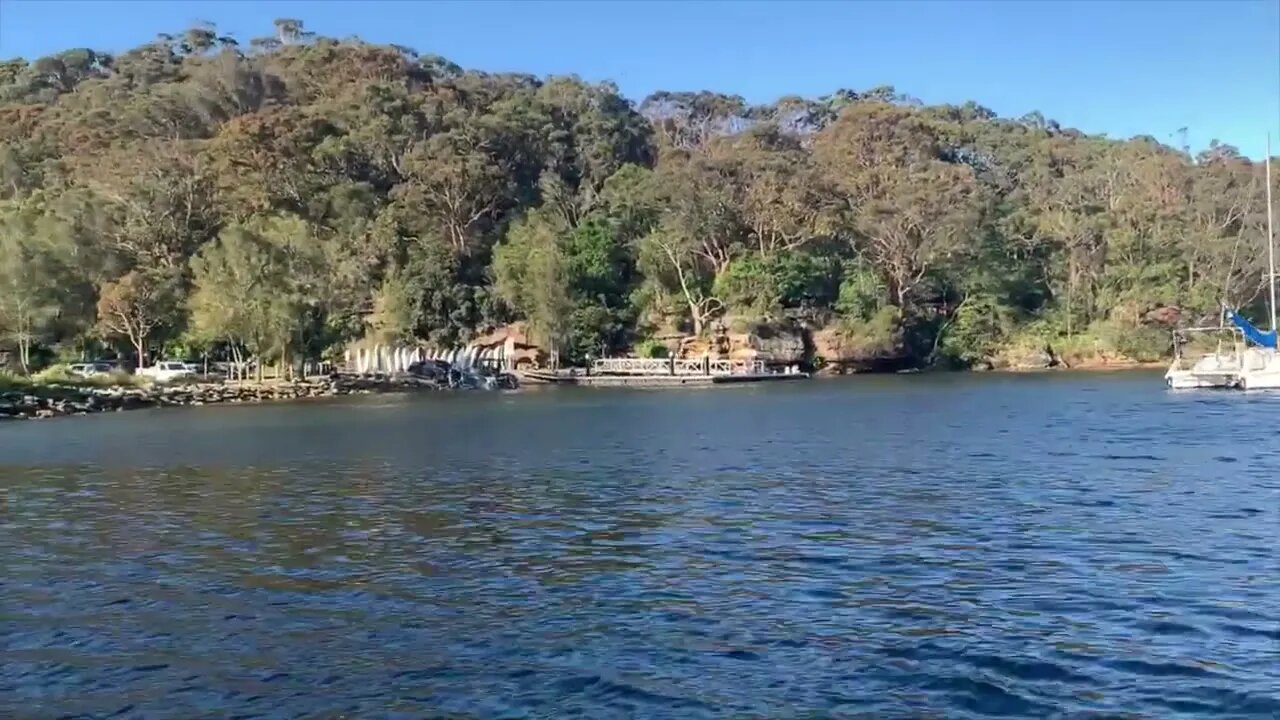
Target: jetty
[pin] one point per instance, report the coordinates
(662, 372)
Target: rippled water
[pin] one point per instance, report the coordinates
(1067, 546)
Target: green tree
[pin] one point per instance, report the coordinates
(531, 274)
(260, 286)
(909, 209)
(136, 308)
(28, 293)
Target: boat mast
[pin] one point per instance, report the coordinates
(1271, 245)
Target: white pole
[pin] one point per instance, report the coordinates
(1271, 245)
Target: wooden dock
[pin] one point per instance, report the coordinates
(653, 372)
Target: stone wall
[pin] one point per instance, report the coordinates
(57, 401)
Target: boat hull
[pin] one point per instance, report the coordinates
(1261, 370)
(1191, 380)
(1210, 371)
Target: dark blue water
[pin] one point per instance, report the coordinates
(1039, 546)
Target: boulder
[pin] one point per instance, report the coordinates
(1023, 358)
(772, 342)
(839, 350)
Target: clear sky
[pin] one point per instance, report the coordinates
(1121, 68)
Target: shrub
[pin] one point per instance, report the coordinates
(62, 375)
(878, 337)
(10, 381)
(977, 331)
(765, 285)
(59, 374)
(651, 348)
(861, 293)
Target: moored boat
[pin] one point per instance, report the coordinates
(1253, 361)
(1217, 369)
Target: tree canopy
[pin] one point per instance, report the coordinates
(291, 194)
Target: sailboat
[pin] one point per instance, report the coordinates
(1252, 362)
(1260, 365)
(1217, 369)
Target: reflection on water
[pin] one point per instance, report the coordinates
(923, 547)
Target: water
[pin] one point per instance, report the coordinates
(1065, 546)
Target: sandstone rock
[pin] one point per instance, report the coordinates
(1024, 359)
(773, 343)
(838, 351)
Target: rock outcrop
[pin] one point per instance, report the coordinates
(773, 343)
(837, 350)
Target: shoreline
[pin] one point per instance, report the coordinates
(40, 402)
(1083, 368)
(1011, 370)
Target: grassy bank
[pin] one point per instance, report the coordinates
(59, 376)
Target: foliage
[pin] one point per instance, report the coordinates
(257, 286)
(11, 381)
(289, 195)
(28, 305)
(650, 348)
(135, 307)
(976, 331)
(861, 293)
(62, 375)
(770, 284)
(879, 336)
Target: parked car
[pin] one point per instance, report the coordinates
(90, 369)
(167, 371)
(430, 369)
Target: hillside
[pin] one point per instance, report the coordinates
(288, 196)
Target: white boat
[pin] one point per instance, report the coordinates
(1218, 369)
(1260, 370)
(1253, 362)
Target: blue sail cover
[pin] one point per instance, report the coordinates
(1264, 339)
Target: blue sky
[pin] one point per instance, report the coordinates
(1122, 68)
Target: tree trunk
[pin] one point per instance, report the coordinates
(24, 354)
(1071, 293)
(237, 363)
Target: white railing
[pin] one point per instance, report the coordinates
(673, 366)
(632, 366)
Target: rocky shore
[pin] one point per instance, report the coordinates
(60, 400)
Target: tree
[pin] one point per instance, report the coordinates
(531, 274)
(909, 208)
(257, 286)
(135, 307)
(28, 298)
(674, 259)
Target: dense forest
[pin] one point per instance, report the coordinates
(287, 196)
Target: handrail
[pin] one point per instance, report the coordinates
(676, 366)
